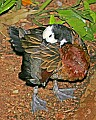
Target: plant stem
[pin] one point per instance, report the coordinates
(43, 6)
(45, 11)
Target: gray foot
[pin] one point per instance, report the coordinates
(37, 103)
(63, 94)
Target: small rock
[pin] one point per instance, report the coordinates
(59, 3)
(16, 91)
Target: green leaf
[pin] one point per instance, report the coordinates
(78, 25)
(7, 5)
(69, 13)
(85, 15)
(89, 34)
(86, 5)
(91, 1)
(52, 19)
(93, 15)
(45, 4)
(74, 20)
(66, 13)
(89, 14)
(93, 27)
(1, 2)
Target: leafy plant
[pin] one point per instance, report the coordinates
(6, 5)
(79, 17)
(83, 21)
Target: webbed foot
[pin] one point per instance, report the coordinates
(37, 103)
(63, 94)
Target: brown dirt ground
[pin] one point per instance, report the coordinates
(15, 95)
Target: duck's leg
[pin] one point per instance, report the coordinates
(63, 94)
(37, 103)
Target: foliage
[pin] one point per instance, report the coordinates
(79, 17)
(83, 21)
(6, 5)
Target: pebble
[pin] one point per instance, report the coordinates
(59, 3)
(16, 91)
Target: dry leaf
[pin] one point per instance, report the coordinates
(26, 2)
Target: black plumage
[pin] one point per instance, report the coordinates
(62, 32)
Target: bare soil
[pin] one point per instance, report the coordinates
(16, 96)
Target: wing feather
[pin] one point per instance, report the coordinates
(49, 54)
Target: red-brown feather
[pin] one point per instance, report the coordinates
(75, 62)
(45, 75)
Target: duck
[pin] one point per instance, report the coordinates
(49, 52)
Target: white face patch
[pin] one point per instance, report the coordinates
(62, 42)
(48, 35)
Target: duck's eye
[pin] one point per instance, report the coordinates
(50, 35)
